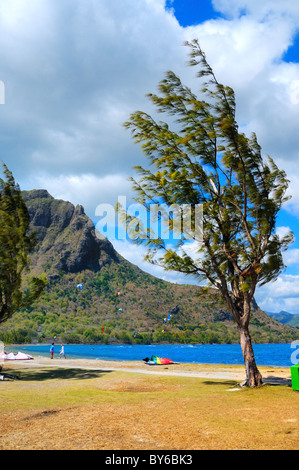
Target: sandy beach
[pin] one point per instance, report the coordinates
(273, 375)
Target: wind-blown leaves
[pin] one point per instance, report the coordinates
(202, 158)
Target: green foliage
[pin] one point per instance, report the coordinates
(16, 243)
(199, 157)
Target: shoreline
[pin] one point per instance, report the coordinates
(271, 374)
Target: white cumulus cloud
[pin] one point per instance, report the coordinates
(74, 71)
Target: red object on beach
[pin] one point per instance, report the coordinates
(165, 360)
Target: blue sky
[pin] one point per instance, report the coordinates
(192, 12)
(74, 71)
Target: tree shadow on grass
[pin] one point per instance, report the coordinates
(229, 383)
(39, 375)
(270, 380)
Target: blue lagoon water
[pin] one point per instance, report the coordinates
(265, 354)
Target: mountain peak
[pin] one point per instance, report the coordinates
(36, 194)
(67, 239)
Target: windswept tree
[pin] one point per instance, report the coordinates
(199, 157)
(16, 243)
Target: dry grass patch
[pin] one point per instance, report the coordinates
(88, 409)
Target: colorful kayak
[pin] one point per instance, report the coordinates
(155, 360)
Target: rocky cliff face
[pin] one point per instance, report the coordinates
(67, 239)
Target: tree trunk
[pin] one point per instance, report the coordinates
(253, 375)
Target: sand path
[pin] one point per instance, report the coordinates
(274, 375)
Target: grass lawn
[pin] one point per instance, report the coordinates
(72, 408)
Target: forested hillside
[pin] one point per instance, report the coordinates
(96, 296)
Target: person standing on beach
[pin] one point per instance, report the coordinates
(62, 352)
(52, 350)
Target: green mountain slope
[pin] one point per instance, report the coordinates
(118, 303)
(286, 318)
